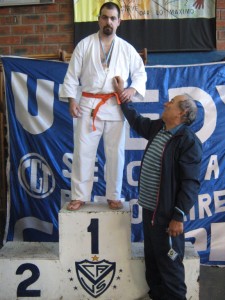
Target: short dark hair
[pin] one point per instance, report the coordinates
(190, 107)
(110, 5)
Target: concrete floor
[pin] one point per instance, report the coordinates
(212, 283)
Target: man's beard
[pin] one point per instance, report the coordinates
(107, 30)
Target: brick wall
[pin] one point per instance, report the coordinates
(43, 29)
(37, 29)
(220, 25)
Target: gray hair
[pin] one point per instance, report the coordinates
(190, 107)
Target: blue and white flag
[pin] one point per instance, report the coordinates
(41, 143)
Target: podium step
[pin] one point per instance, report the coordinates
(93, 259)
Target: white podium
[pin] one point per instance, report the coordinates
(94, 259)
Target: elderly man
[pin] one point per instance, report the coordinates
(168, 188)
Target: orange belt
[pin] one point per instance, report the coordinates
(104, 98)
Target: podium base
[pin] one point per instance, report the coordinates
(95, 260)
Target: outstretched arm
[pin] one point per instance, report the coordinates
(125, 95)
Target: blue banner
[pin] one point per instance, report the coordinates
(40, 132)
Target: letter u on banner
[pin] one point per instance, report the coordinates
(45, 100)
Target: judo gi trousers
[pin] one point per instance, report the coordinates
(86, 144)
(165, 276)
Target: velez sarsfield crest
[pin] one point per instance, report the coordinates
(95, 277)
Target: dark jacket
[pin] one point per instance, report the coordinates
(180, 169)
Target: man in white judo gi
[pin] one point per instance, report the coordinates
(96, 60)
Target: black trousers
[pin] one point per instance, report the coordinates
(165, 276)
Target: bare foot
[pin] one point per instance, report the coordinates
(115, 204)
(75, 204)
